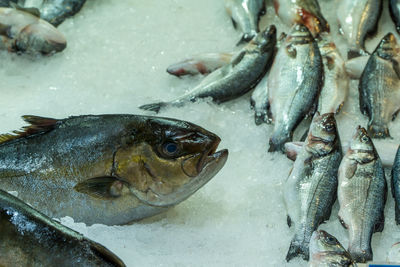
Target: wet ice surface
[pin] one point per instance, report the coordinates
(115, 61)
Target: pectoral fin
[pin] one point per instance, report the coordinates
(102, 187)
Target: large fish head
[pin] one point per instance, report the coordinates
(323, 135)
(40, 37)
(168, 160)
(265, 40)
(361, 146)
(388, 47)
(325, 248)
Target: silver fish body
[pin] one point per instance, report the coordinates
(305, 12)
(379, 87)
(394, 8)
(358, 19)
(336, 82)
(310, 189)
(245, 14)
(242, 73)
(362, 195)
(395, 184)
(294, 82)
(259, 102)
(326, 251)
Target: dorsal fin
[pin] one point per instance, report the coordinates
(37, 125)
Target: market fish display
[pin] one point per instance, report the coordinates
(361, 194)
(29, 238)
(242, 73)
(379, 87)
(200, 64)
(294, 82)
(395, 184)
(357, 20)
(23, 32)
(108, 169)
(305, 12)
(386, 150)
(336, 82)
(394, 8)
(310, 189)
(326, 250)
(245, 14)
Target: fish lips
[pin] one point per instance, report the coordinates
(209, 165)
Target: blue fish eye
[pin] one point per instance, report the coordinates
(170, 148)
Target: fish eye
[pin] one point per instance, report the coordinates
(330, 240)
(170, 148)
(364, 139)
(329, 127)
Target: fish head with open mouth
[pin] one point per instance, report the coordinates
(40, 37)
(361, 146)
(168, 160)
(323, 136)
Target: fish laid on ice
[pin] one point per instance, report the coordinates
(200, 64)
(108, 169)
(394, 8)
(259, 101)
(395, 183)
(29, 238)
(386, 150)
(305, 12)
(379, 87)
(326, 251)
(361, 194)
(310, 189)
(336, 82)
(245, 14)
(25, 33)
(357, 19)
(294, 82)
(242, 73)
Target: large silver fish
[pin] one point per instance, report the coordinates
(294, 82)
(336, 82)
(29, 238)
(235, 79)
(357, 19)
(245, 14)
(361, 194)
(326, 251)
(305, 12)
(379, 87)
(310, 189)
(109, 169)
(25, 33)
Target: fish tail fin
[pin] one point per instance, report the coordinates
(277, 142)
(378, 131)
(361, 255)
(154, 106)
(297, 248)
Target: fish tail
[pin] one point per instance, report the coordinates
(298, 248)
(277, 142)
(154, 106)
(378, 131)
(361, 255)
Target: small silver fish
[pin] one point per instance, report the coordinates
(361, 194)
(294, 82)
(310, 189)
(246, 14)
(242, 73)
(357, 20)
(379, 87)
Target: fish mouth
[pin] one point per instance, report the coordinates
(208, 155)
(209, 165)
